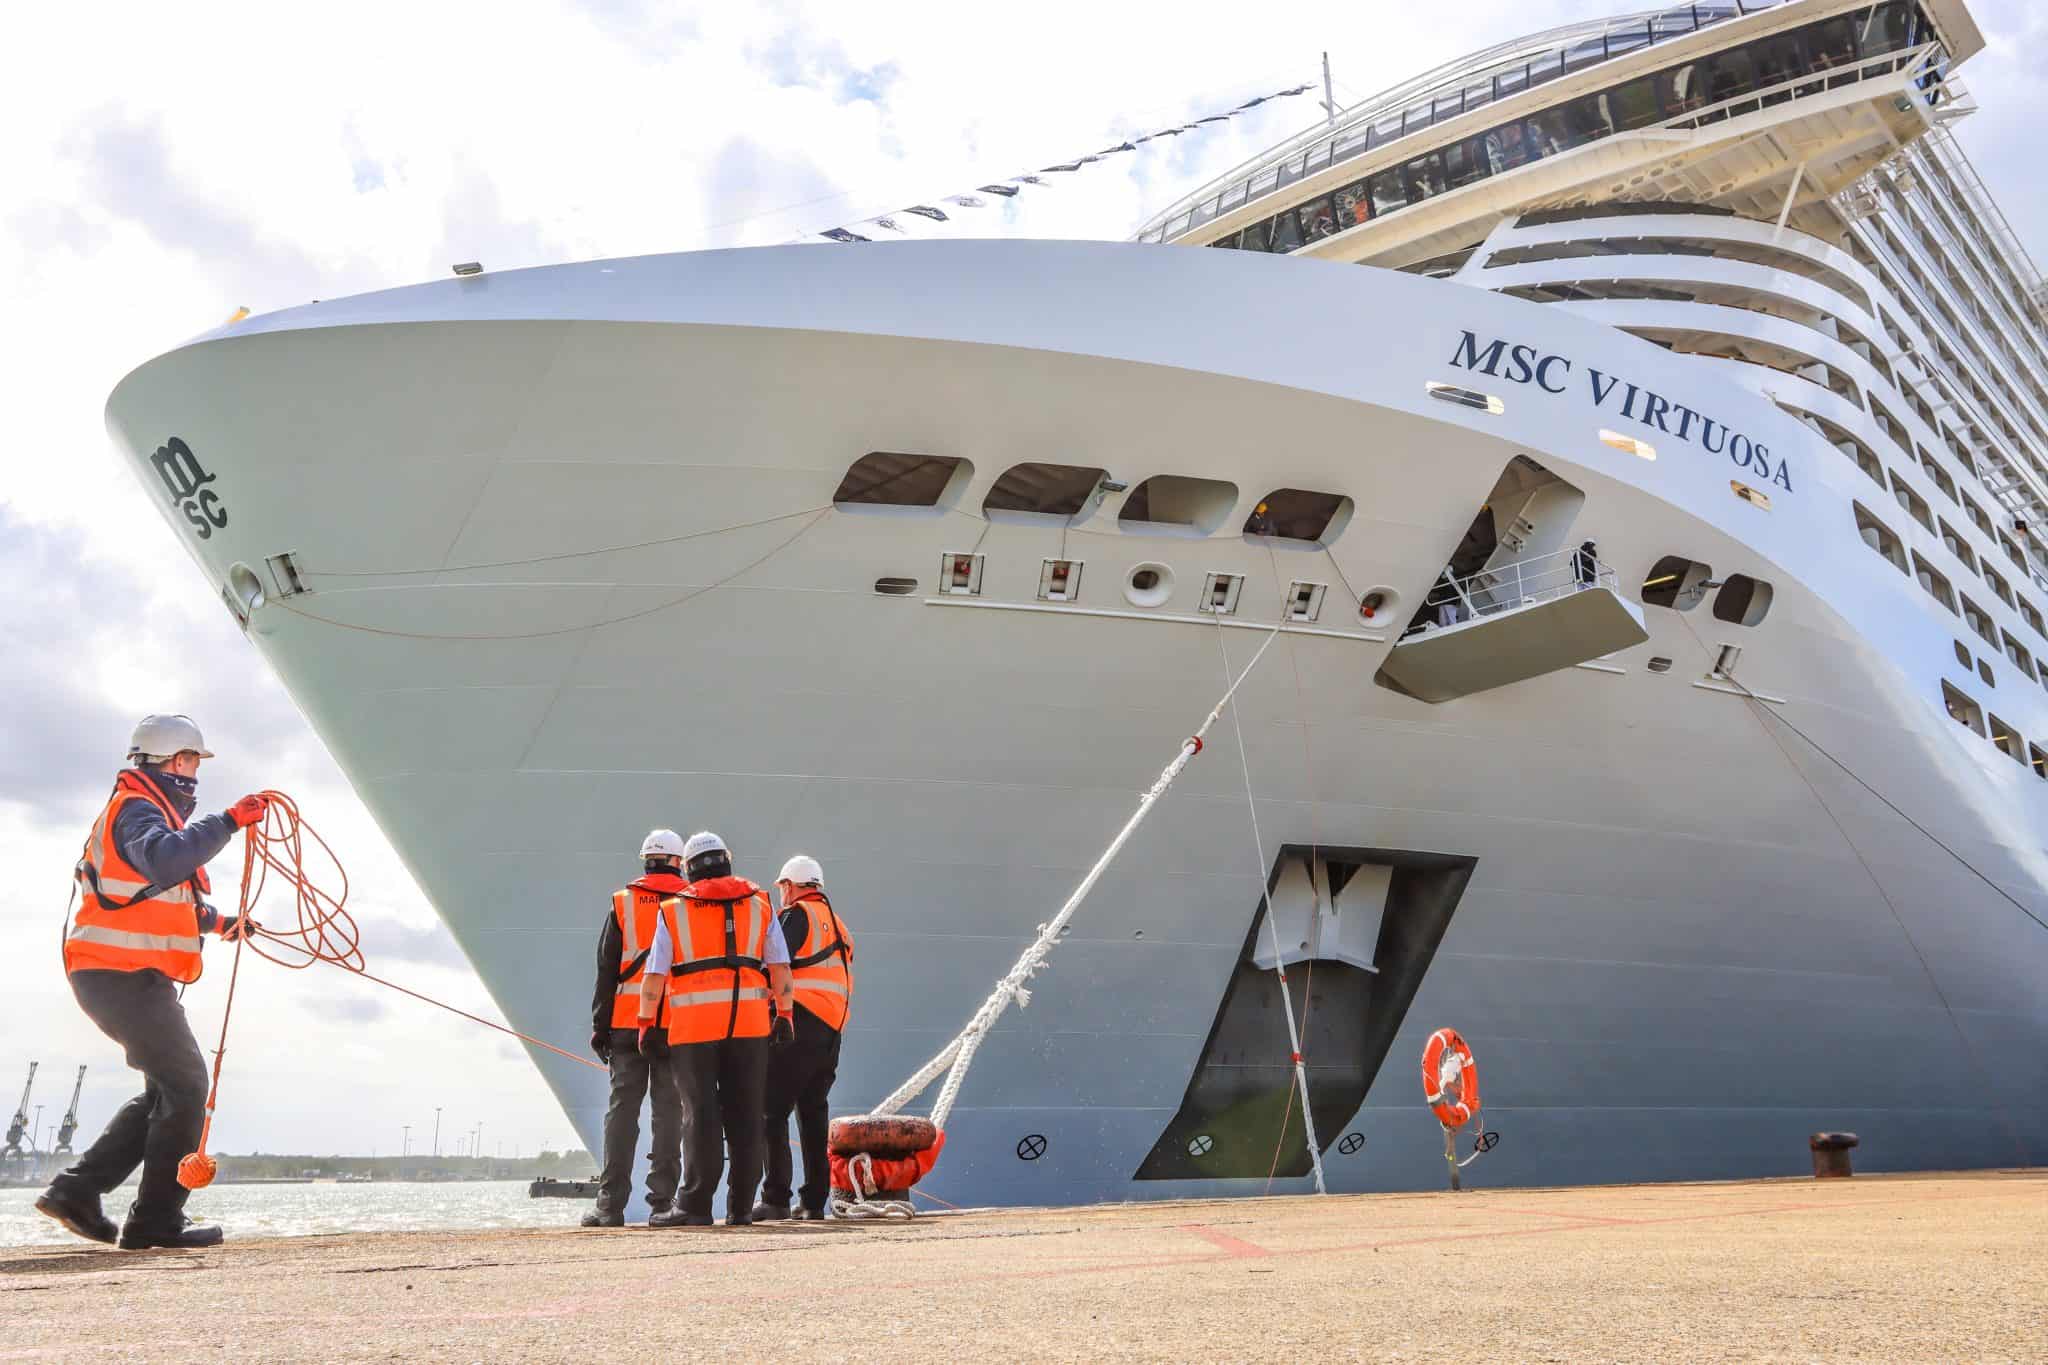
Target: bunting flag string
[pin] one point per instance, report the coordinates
(862, 230)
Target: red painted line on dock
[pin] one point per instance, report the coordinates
(1223, 1241)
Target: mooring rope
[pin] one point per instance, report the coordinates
(954, 1059)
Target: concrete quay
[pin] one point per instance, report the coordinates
(1893, 1268)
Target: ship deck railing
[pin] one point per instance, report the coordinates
(1505, 587)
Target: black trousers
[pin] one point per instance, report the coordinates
(155, 1130)
(633, 1077)
(721, 1086)
(800, 1078)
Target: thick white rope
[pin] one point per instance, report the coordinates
(959, 1053)
(1308, 1120)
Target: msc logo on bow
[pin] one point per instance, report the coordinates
(186, 480)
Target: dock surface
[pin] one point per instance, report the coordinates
(1936, 1267)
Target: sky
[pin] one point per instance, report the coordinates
(163, 165)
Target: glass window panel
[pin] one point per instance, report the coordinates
(1476, 95)
(1627, 39)
(1450, 106)
(1286, 233)
(1684, 88)
(1388, 192)
(1633, 105)
(1830, 44)
(1887, 28)
(1228, 241)
(1673, 22)
(1204, 212)
(1510, 82)
(1585, 53)
(1290, 169)
(1386, 130)
(1351, 143)
(1319, 156)
(1353, 206)
(1415, 117)
(1464, 162)
(1778, 59)
(1547, 67)
(1425, 176)
(1318, 219)
(1178, 224)
(1263, 182)
(1255, 238)
(1730, 74)
(1507, 147)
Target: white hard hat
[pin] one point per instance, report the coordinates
(166, 737)
(704, 841)
(803, 869)
(661, 843)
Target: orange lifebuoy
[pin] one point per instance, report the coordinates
(1450, 1078)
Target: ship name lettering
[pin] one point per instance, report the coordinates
(1519, 363)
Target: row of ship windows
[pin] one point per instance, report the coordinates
(1770, 64)
(1935, 584)
(1172, 504)
(2008, 741)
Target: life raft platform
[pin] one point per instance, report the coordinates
(1882, 1267)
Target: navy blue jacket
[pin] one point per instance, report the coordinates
(168, 856)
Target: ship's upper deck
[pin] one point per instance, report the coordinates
(1696, 58)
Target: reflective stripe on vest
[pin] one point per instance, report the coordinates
(636, 910)
(821, 968)
(718, 986)
(124, 922)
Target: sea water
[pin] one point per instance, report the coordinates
(309, 1210)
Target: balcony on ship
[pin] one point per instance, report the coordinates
(1511, 622)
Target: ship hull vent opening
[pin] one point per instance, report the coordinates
(884, 481)
(1369, 922)
(1175, 505)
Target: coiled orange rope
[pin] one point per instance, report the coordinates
(322, 930)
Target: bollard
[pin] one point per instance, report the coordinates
(1831, 1154)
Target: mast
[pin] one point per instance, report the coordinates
(1329, 97)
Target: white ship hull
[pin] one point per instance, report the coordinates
(1688, 939)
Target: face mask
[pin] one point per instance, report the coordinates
(183, 791)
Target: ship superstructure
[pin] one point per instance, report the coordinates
(1596, 722)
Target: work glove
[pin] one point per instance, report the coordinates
(248, 811)
(782, 1032)
(646, 1041)
(601, 1043)
(232, 927)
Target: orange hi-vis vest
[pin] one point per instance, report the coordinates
(125, 922)
(822, 966)
(718, 987)
(637, 908)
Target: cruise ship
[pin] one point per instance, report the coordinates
(1629, 445)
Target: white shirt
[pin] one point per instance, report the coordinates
(661, 956)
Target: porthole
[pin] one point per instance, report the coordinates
(1660, 664)
(1464, 398)
(1149, 585)
(1984, 672)
(1963, 655)
(895, 587)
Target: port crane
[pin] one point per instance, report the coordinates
(70, 1124)
(19, 1124)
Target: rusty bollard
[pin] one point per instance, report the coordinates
(1831, 1154)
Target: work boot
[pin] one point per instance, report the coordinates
(677, 1218)
(184, 1235)
(598, 1218)
(806, 1214)
(765, 1212)
(79, 1211)
(738, 1220)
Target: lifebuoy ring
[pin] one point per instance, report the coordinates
(1450, 1078)
(892, 1137)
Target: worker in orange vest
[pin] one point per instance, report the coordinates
(623, 948)
(800, 1076)
(721, 968)
(132, 944)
